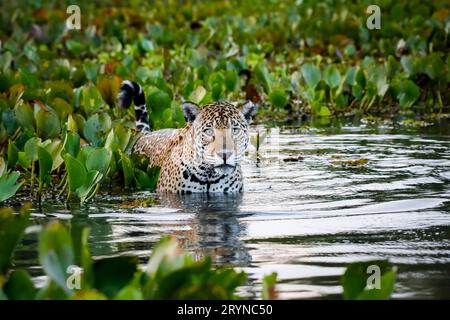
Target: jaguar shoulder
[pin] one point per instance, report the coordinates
(205, 155)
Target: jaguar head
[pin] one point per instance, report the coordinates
(220, 133)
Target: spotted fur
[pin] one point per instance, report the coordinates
(205, 155)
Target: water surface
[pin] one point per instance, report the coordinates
(302, 214)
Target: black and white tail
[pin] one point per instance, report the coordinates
(132, 91)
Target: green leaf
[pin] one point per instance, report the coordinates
(358, 276)
(158, 101)
(407, 92)
(278, 98)
(13, 154)
(407, 64)
(332, 76)
(99, 160)
(12, 227)
(360, 78)
(88, 295)
(76, 172)
(91, 69)
(324, 111)
(92, 131)
(47, 123)
(3, 166)
(72, 145)
(262, 74)
(31, 148)
(113, 274)
(80, 233)
(45, 164)
(91, 99)
(311, 74)
(92, 178)
(56, 253)
(231, 80)
(268, 286)
(54, 149)
(197, 95)
(24, 115)
(132, 291)
(127, 169)
(9, 185)
(20, 286)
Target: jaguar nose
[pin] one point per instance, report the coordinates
(224, 155)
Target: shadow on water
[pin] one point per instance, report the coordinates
(214, 229)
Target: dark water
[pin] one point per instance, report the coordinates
(304, 217)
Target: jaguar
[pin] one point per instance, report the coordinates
(204, 155)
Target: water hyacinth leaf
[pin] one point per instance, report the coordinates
(56, 253)
(74, 46)
(109, 88)
(262, 74)
(132, 291)
(13, 154)
(434, 67)
(91, 294)
(268, 287)
(341, 101)
(20, 286)
(360, 78)
(55, 148)
(407, 92)
(153, 173)
(62, 107)
(80, 121)
(369, 280)
(407, 64)
(90, 69)
(80, 233)
(23, 160)
(127, 169)
(71, 124)
(332, 76)
(216, 91)
(92, 131)
(142, 74)
(164, 249)
(47, 123)
(3, 166)
(231, 80)
(45, 164)
(357, 91)
(24, 115)
(31, 148)
(197, 95)
(12, 227)
(76, 172)
(142, 179)
(93, 177)
(158, 101)
(324, 112)
(72, 145)
(311, 74)
(99, 160)
(91, 99)
(278, 98)
(111, 275)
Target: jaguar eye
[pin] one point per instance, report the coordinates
(208, 131)
(235, 130)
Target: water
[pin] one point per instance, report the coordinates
(305, 218)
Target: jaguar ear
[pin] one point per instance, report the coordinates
(248, 109)
(190, 111)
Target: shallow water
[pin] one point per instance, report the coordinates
(305, 218)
